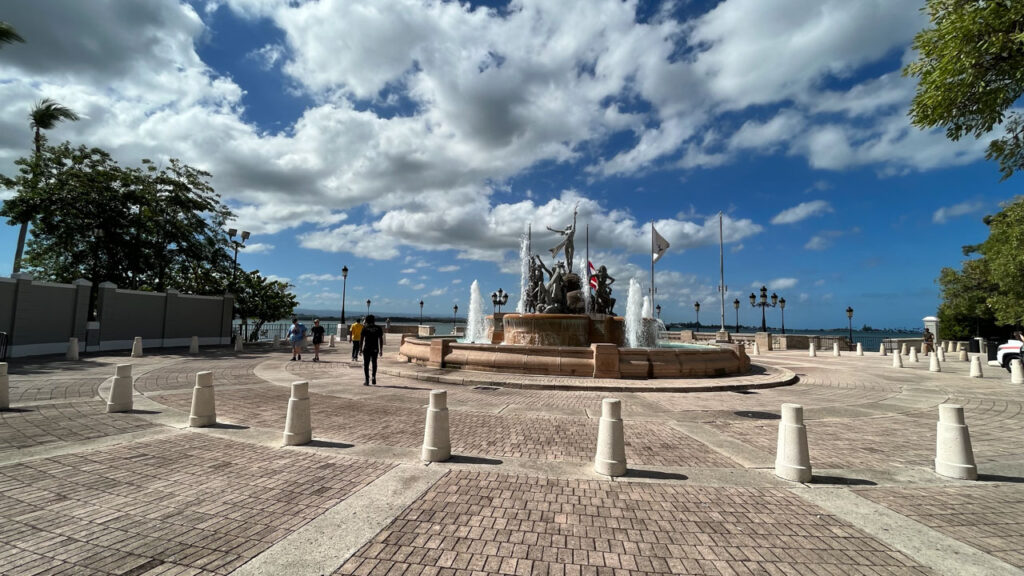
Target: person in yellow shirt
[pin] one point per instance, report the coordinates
(357, 331)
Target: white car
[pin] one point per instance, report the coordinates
(1007, 352)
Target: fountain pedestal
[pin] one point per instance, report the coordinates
(558, 329)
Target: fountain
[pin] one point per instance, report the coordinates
(559, 330)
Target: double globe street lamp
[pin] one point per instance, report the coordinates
(736, 306)
(499, 299)
(763, 303)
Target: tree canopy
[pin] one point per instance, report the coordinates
(262, 300)
(986, 296)
(970, 71)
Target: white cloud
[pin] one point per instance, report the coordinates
(404, 282)
(817, 243)
(802, 211)
(259, 248)
(944, 214)
(317, 278)
(409, 271)
(449, 268)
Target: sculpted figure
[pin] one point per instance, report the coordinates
(566, 245)
(605, 302)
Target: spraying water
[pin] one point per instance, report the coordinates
(646, 311)
(634, 319)
(475, 333)
(524, 272)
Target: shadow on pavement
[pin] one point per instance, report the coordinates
(841, 480)
(998, 478)
(654, 474)
(459, 459)
(329, 444)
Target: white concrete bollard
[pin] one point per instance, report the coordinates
(757, 349)
(810, 351)
(913, 354)
(437, 442)
(72, 353)
(860, 349)
(881, 350)
(137, 347)
(239, 343)
(835, 349)
(961, 355)
(976, 367)
(933, 363)
(5, 387)
(204, 410)
(949, 346)
(954, 457)
(297, 426)
(897, 360)
(121, 390)
(193, 347)
(960, 347)
(610, 458)
(940, 354)
(331, 344)
(792, 458)
(1016, 373)
(904, 350)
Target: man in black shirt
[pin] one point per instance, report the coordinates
(318, 338)
(372, 345)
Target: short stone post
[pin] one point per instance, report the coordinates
(949, 346)
(193, 347)
(810, 350)
(298, 429)
(1016, 373)
(331, 344)
(960, 347)
(903, 349)
(961, 355)
(757, 349)
(792, 458)
(121, 390)
(610, 458)
(941, 354)
(913, 354)
(933, 363)
(976, 367)
(239, 343)
(881, 350)
(835, 349)
(5, 387)
(437, 442)
(897, 360)
(72, 353)
(860, 349)
(137, 347)
(204, 411)
(954, 457)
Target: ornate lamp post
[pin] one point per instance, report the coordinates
(764, 304)
(455, 312)
(782, 309)
(367, 306)
(237, 245)
(421, 311)
(736, 305)
(849, 317)
(499, 299)
(696, 308)
(344, 285)
(658, 310)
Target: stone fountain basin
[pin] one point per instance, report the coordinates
(595, 361)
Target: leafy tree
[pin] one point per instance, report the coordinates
(965, 311)
(8, 35)
(971, 71)
(45, 116)
(263, 300)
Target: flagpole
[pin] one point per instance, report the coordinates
(586, 266)
(652, 264)
(721, 267)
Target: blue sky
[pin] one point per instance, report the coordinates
(414, 141)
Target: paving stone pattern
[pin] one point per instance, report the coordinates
(193, 503)
(64, 422)
(480, 523)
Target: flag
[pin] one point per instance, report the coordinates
(593, 275)
(659, 246)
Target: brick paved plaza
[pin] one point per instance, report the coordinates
(87, 492)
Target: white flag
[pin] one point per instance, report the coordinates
(660, 245)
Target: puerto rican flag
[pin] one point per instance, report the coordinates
(593, 275)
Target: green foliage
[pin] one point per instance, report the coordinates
(1004, 252)
(8, 35)
(971, 71)
(143, 228)
(262, 299)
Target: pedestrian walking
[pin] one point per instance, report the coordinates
(356, 331)
(318, 338)
(372, 347)
(296, 334)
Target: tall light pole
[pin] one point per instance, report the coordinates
(657, 309)
(455, 312)
(696, 308)
(344, 285)
(237, 245)
(736, 305)
(367, 306)
(849, 316)
(764, 304)
(421, 311)
(782, 309)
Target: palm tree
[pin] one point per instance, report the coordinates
(8, 35)
(45, 116)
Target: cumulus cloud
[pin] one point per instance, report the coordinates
(945, 213)
(802, 211)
